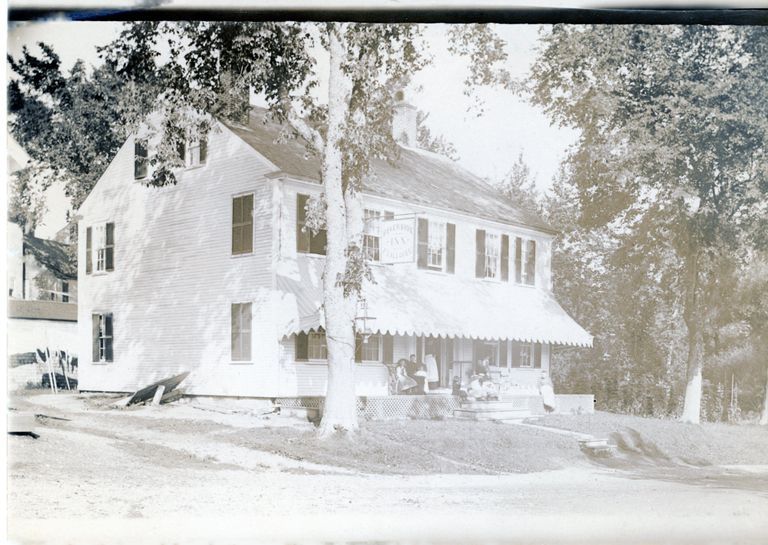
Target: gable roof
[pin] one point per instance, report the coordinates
(52, 255)
(417, 176)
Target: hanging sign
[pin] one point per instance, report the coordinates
(397, 242)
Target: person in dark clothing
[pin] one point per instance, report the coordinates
(418, 373)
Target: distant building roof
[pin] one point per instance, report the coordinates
(42, 310)
(417, 176)
(53, 256)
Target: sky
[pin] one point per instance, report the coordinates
(487, 145)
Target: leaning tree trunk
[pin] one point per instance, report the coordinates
(764, 415)
(340, 412)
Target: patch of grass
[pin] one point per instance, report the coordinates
(416, 447)
(706, 443)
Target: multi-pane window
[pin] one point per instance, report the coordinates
(140, 160)
(435, 244)
(308, 241)
(525, 261)
(100, 247)
(372, 233)
(492, 247)
(193, 153)
(526, 355)
(242, 224)
(316, 346)
(241, 332)
(64, 291)
(370, 348)
(102, 337)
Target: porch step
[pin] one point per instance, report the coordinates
(501, 405)
(491, 414)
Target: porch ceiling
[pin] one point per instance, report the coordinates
(406, 303)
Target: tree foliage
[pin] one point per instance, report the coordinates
(670, 170)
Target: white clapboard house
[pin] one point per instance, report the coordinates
(217, 275)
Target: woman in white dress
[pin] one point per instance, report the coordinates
(433, 376)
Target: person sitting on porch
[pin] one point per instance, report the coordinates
(482, 389)
(433, 377)
(403, 381)
(418, 373)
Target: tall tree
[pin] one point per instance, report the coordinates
(519, 186)
(672, 152)
(213, 66)
(71, 123)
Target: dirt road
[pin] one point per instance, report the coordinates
(165, 475)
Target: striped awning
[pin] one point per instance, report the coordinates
(404, 302)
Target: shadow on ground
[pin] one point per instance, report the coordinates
(640, 458)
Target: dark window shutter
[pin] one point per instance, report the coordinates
(247, 231)
(110, 337)
(530, 263)
(450, 239)
(203, 150)
(110, 249)
(449, 352)
(358, 349)
(423, 238)
(480, 253)
(537, 355)
(181, 150)
(95, 330)
(505, 258)
(302, 347)
(503, 353)
(88, 250)
(515, 354)
(302, 235)
(139, 159)
(389, 349)
(518, 260)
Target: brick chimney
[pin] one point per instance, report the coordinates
(404, 121)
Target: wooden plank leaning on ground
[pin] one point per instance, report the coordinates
(148, 392)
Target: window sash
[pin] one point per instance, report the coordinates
(371, 350)
(242, 224)
(104, 337)
(140, 163)
(371, 237)
(241, 332)
(317, 348)
(492, 253)
(435, 244)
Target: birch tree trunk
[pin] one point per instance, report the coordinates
(764, 415)
(340, 412)
(695, 360)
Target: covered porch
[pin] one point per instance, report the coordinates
(460, 322)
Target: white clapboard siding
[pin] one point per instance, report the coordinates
(175, 278)
(300, 379)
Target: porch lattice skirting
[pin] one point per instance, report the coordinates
(386, 407)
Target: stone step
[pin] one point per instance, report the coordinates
(495, 405)
(489, 414)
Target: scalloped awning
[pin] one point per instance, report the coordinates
(405, 302)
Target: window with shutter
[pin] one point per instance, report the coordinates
(100, 248)
(368, 349)
(317, 347)
(241, 332)
(492, 255)
(523, 355)
(102, 331)
(242, 224)
(308, 241)
(371, 237)
(140, 161)
(518, 260)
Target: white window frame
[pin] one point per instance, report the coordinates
(320, 344)
(523, 261)
(364, 345)
(436, 244)
(192, 154)
(249, 359)
(492, 260)
(371, 233)
(99, 247)
(103, 337)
